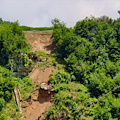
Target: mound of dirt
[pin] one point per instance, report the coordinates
(40, 42)
(39, 76)
(41, 98)
(37, 106)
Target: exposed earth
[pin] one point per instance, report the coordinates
(40, 41)
(41, 100)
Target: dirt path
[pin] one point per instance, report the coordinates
(34, 109)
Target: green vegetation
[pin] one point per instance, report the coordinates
(40, 32)
(26, 28)
(90, 87)
(14, 56)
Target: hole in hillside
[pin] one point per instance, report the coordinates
(46, 94)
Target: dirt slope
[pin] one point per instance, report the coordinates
(34, 109)
(40, 76)
(39, 104)
(40, 42)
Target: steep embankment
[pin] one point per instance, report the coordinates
(33, 109)
(40, 102)
(40, 41)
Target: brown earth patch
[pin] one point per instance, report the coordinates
(39, 76)
(40, 42)
(36, 107)
(41, 100)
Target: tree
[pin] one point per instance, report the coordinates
(12, 42)
(104, 19)
(2, 103)
(87, 28)
(1, 21)
(91, 51)
(57, 23)
(119, 12)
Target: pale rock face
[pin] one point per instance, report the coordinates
(46, 90)
(19, 65)
(45, 86)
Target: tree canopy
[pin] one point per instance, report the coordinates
(13, 47)
(91, 53)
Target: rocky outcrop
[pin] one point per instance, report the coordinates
(46, 90)
(18, 98)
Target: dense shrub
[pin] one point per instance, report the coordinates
(91, 53)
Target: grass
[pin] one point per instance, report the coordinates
(42, 65)
(13, 113)
(41, 32)
(26, 28)
(25, 87)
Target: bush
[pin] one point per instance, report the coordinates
(3, 117)
(2, 103)
(54, 63)
(61, 77)
(26, 28)
(7, 96)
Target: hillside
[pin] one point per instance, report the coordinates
(39, 103)
(76, 78)
(21, 75)
(90, 87)
(40, 41)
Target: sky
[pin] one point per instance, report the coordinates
(39, 13)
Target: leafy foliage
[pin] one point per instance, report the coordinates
(14, 50)
(91, 53)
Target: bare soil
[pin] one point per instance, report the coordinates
(40, 76)
(41, 101)
(40, 42)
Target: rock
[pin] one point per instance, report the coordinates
(42, 59)
(45, 89)
(24, 105)
(44, 86)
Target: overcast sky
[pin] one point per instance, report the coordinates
(39, 13)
